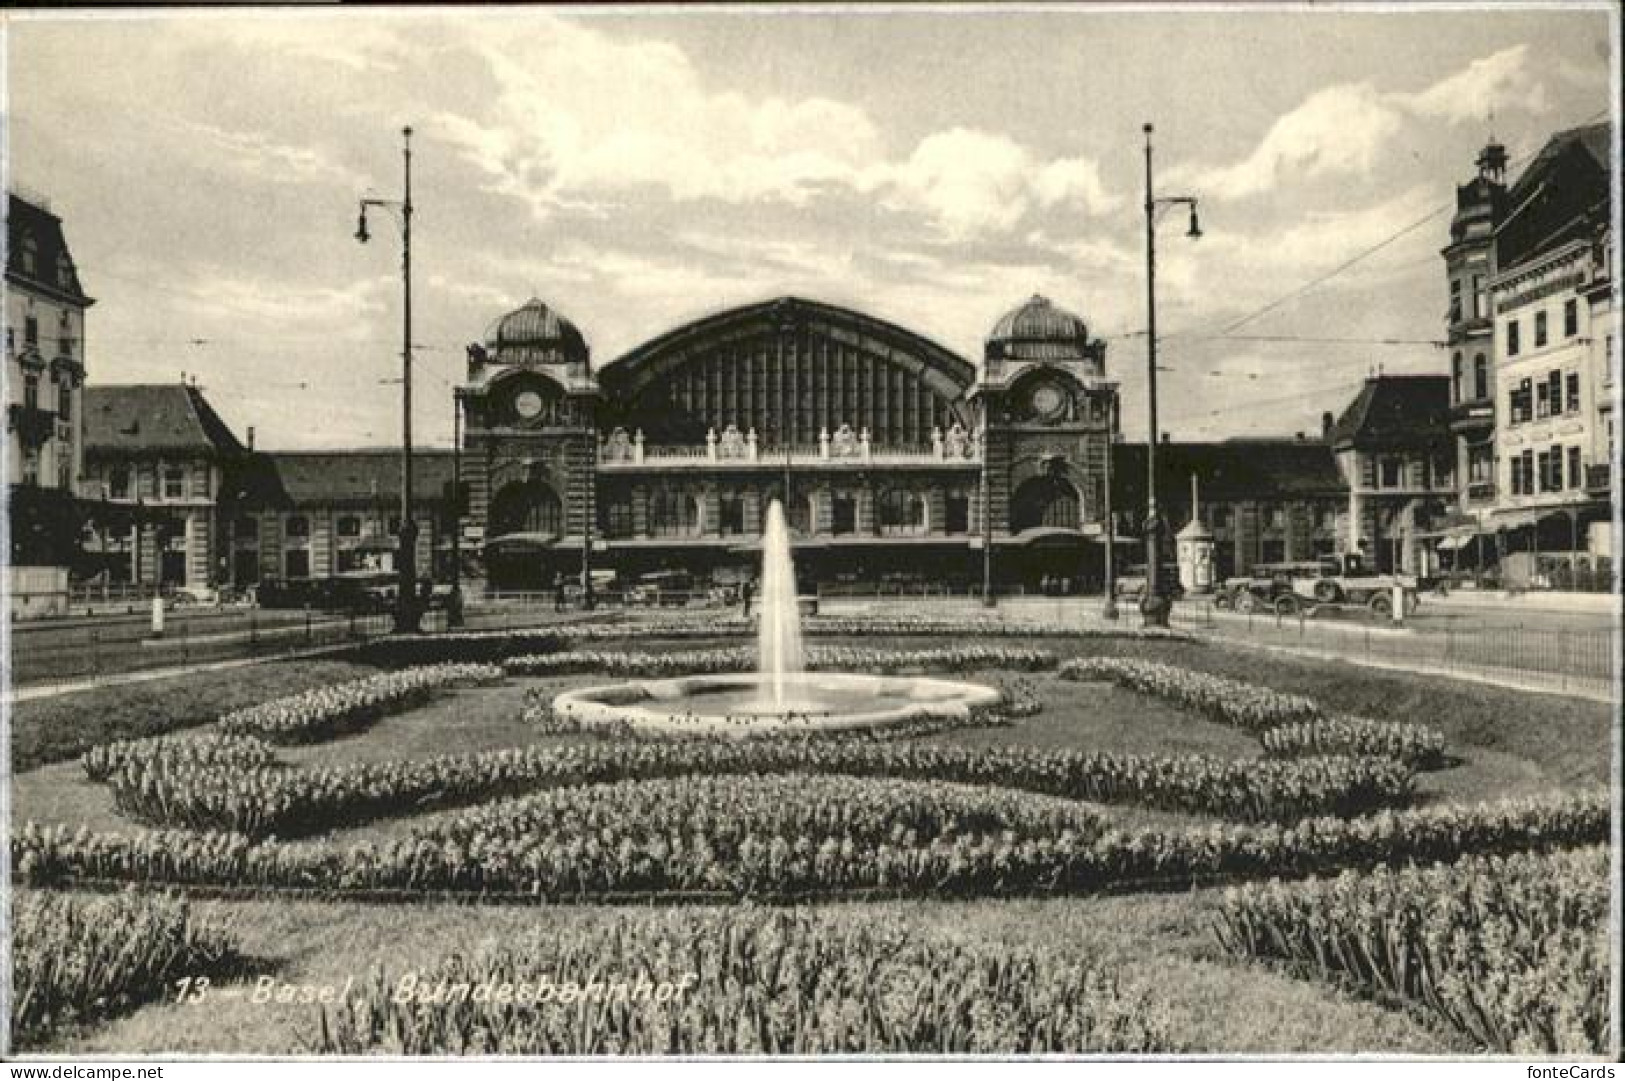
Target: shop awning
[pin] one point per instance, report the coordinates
(1048, 535)
(521, 542)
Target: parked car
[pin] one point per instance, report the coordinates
(194, 597)
(662, 588)
(1131, 582)
(1290, 588)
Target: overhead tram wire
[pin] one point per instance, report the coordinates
(1226, 332)
(1366, 253)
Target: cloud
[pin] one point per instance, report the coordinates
(582, 122)
(1500, 82)
(1348, 129)
(1336, 131)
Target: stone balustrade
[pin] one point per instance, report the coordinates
(732, 448)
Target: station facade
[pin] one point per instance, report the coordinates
(896, 458)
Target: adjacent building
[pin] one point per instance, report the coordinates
(157, 459)
(1394, 450)
(1556, 327)
(1470, 329)
(45, 310)
(314, 514)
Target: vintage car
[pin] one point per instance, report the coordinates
(1131, 581)
(1293, 587)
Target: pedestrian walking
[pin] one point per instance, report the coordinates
(558, 593)
(745, 593)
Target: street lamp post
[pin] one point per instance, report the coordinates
(1109, 610)
(454, 606)
(406, 606)
(1155, 604)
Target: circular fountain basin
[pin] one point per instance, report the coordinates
(737, 704)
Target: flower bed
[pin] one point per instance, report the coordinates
(698, 983)
(327, 712)
(495, 645)
(744, 659)
(1288, 725)
(1418, 746)
(540, 713)
(205, 748)
(1512, 951)
(1228, 701)
(77, 960)
(292, 803)
(539, 869)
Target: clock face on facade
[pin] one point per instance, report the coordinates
(528, 404)
(1047, 402)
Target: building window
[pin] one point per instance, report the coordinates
(1520, 404)
(956, 513)
(31, 330)
(1571, 318)
(31, 391)
(901, 513)
(64, 472)
(673, 514)
(31, 466)
(245, 527)
(1326, 517)
(844, 515)
(1513, 345)
(1272, 551)
(731, 514)
(1554, 391)
(1571, 397)
(1480, 307)
(30, 253)
(174, 482)
(615, 518)
(1480, 463)
(297, 561)
(1481, 377)
(349, 526)
(1576, 480)
(297, 528)
(1543, 399)
(1455, 300)
(64, 402)
(1455, 376)
(118, 483)
(1273, 516)
(1388, 472)
(1540, 329)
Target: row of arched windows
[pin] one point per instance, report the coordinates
(533, 507)
(674, 513)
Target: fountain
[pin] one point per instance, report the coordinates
(781, 695)
(778, 634)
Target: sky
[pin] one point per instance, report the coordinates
(636, 169)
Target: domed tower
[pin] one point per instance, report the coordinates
(1469, 261)
(529, 446)
(1049, 418)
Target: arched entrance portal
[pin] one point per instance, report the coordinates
(1044, 501)
(526, 507)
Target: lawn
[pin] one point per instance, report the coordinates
(1501, 743)
(1213, 1003)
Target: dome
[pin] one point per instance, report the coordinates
(535, 334)
(1038, 330)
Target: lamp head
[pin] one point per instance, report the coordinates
(361, 233)
(1195, 231)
